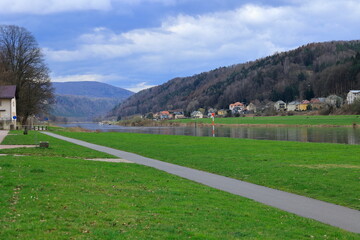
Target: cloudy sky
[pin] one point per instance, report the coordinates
(136, 44)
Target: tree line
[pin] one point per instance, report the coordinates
(22, 64)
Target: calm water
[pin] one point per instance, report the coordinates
(328, 135)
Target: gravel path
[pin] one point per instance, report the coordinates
(335, 215)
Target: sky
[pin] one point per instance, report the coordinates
(137, 44)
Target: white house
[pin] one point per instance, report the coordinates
(7, 107)
(293, 106)
(280, 106)
(197, 114)
(352, 96)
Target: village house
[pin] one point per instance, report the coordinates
(164, 115)
(211, 111)
(280, 106)
(352, 96)
(293, 106)
(303, 106)
(197, 114)
(7, 107)
(222, 113)
(317, 103)
(179, 115)
(237, 107)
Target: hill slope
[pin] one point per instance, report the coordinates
(90, 89)
(314, 70)
(84, 101)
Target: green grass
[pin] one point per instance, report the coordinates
(336, 120)
(56, 147)
(328, 172)
(64, 198)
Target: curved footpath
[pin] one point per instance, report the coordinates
(335, 215)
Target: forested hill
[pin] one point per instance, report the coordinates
(85, 101)
(314, 70)
(91, 89)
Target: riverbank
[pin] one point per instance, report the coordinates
(60, 195)
(274, 121)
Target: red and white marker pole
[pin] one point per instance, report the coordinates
(213, 124)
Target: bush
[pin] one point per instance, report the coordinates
(352, 108)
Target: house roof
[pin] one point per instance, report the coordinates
(355, 91)
(7, 91)
(237, 104)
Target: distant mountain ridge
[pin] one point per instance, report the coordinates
(90, 89)
(313, 70)
(85, 100)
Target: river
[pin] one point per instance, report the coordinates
(301, 134)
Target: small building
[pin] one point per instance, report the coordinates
(317, 103)
(165, 115)
(293, 106)
(352, 96)
(237, 107)
(179, 115)
(222, 113)
(303, 106)
(197, 114)
(280, 106)
(7, 107)
(211, 111)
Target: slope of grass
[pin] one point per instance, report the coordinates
(336, 120)
(328, 172)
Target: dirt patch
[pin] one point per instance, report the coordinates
(16, 146)
(117, 160)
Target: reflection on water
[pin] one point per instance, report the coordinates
(317, 134)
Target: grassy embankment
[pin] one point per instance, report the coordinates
(65, 197)
(297, 120)
(328, 172)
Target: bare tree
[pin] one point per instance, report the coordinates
(22, 64)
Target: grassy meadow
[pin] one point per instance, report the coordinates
(328, 172)
(55, 194)
(318, 120)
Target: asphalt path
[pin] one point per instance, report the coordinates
(335, 215)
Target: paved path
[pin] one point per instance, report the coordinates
(338, 216)
(3, 134)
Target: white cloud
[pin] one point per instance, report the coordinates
(56, 6)
(221, 38)
(52, 6)
(81, 78)
(140, 86)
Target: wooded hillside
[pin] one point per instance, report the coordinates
(314, 70)
(85, 101)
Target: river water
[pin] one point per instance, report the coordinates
(300, 134)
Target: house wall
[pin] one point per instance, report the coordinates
(351, 97)
(291, 107)
(7, 111)
(303, 107)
